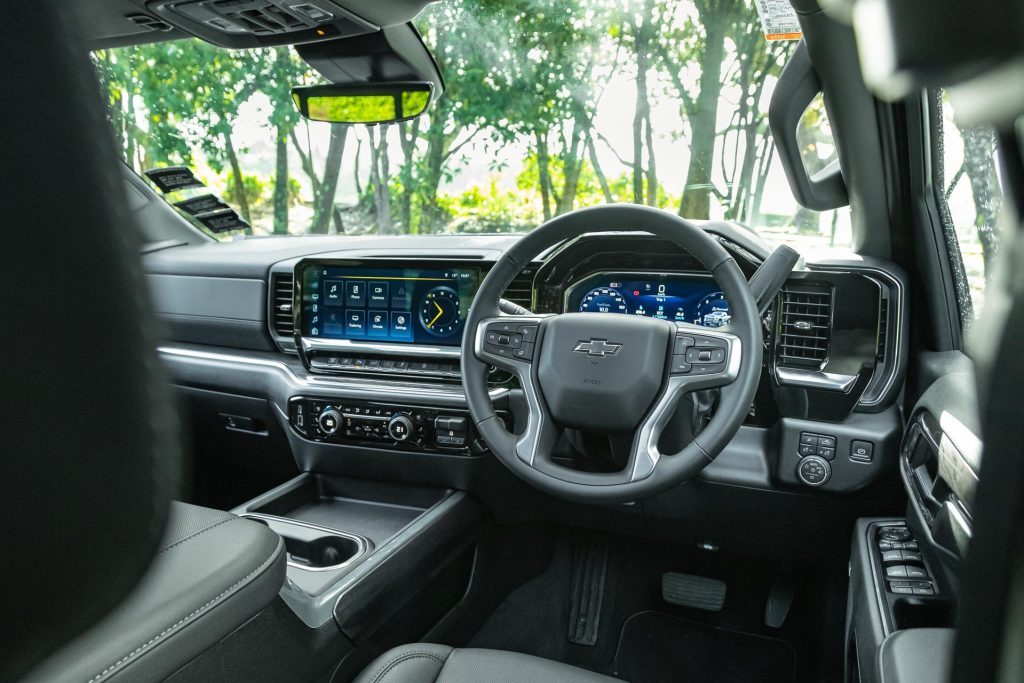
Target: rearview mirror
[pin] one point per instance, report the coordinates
(370, 103)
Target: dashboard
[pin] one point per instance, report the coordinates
(371, 327)
(679, 297)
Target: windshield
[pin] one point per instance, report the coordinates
(548, 106)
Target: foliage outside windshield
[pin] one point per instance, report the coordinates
(549, 106)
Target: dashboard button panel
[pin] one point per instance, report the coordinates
(385, 425)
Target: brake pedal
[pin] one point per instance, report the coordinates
(780, 599)
(687, 590)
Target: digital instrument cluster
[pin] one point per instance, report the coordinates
(670, 296)
(392, 303)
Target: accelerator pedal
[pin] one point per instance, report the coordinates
(687, 590)
(780, 599)
(589, 569)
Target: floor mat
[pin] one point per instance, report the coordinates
(656, 647)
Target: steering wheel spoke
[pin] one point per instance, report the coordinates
(702, 358)
(512, 343)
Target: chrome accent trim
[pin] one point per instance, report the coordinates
(896, 335)
(815, 379)
(897, 292)
(363, 543)
(324, 383)
(312, 344)
(645, 454)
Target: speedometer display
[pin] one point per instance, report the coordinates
(669, 296)
(603, 300)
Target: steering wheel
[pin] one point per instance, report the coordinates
(612, 374)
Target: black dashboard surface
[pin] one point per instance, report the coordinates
(252, 258)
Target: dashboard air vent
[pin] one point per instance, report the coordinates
(805, 326)
(520, 290)
(883, 329)
(281, 304)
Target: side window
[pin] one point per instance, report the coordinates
(972, 199)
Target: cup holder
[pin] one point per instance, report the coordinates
(314, 548)
(324, 552)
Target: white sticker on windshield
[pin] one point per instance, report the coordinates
(778, 20)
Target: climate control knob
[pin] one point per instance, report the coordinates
(329, 421)
(400, 427)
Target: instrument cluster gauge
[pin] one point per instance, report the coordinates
(713, 311)
(440, 312)
(603, 300)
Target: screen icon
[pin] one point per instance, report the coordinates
(378, 293)
(401, 325)
(334, 291)
(355, 293)
(377, 324)
(401, 296)
(355, 323)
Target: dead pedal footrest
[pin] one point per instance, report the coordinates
(589, 569)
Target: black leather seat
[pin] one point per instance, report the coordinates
(104, 577)
(426, 663)
(212, 573)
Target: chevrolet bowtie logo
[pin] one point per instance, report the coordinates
(597, 347)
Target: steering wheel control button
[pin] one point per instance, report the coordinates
(682, 343)
(708, 368)
(528, 332)
(861, 451)
(813, 471)
(698, 355)
(679, 365)
(510, 340)
(524, 352)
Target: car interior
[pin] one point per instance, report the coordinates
(633, 440)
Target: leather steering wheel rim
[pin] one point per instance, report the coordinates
(648, 471)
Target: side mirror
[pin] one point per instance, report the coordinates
(363, 103)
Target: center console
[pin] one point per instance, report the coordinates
(359, 551)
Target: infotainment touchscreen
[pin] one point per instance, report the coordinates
(386, 302)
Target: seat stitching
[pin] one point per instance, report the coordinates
(417, 654)
(205, 608)
(198, 533)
